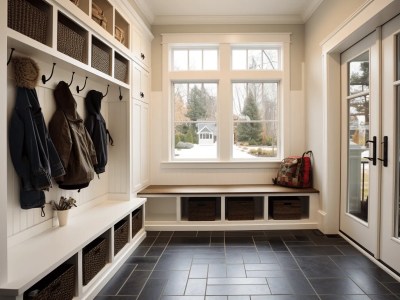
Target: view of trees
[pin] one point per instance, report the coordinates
(250, 132)
(193, 103)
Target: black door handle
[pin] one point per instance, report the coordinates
(373, 158)
(385, 151)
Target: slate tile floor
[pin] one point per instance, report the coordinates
(248, 265)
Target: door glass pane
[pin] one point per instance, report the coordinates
(358, 166)
(359, 74)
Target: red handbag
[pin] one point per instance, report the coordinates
(295, 171)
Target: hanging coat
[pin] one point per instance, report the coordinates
(32, 152)
(96, 126)
(72, 141)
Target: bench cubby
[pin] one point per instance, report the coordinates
(237, 207)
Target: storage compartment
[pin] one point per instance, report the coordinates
(82, 4)
(94, 258)
(101, 56)
(59, 284)
(121, 67)
(121, 30)
(289, 207)
(102, 14)
(200, 208)
(121, 235)
(240, 208)
(71, 39)
(31, 18)
(160, 209)
(137, 221)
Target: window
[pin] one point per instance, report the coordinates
(255, 119)
(194, 59)
(195, 126)
(259, 58)
(225, 95)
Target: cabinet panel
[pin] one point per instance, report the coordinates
(140, 83)
(141, 48)
(140, 145)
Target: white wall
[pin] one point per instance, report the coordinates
(240, 173)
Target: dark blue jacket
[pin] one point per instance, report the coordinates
(33, 154)
(96, 126)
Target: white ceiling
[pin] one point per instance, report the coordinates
(164, 12)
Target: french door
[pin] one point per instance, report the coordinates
(360, 93)
(389, 233)
(370, 193)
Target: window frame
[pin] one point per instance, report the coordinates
(225, 76)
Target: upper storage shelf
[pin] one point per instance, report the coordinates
(107, 17)
(60, 29)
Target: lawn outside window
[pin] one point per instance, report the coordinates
(225, 97)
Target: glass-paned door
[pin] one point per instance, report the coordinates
(390, 198)
(360, 127)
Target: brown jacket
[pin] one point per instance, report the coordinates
(72, 141)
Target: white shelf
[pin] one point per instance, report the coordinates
(35, 258)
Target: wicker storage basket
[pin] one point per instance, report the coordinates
(100, 58)
(70, 39)
(137, 220)
(119, 34)
(98, 15)
(120, 69)
(286, 209)
(29, 17)
(94, 258)
(240, 208)
(202, 209)
(121, 235)
(59, 284)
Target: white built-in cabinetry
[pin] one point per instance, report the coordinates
(32, 246)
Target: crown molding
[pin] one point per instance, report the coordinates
(311, 9)
(217, 20)
(145, 9)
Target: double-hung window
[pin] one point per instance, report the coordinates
(225, 97)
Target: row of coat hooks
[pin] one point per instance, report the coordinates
(78, 89)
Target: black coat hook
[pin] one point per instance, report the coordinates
(72, 79)
(44, 80)
(120, 94)
(77, 87)
(106, 91)
(9, 59)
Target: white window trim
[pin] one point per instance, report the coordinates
(225, 41)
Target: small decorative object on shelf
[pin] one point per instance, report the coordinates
(62, 208)
(119, 34)
(76, 2)
(98, 15)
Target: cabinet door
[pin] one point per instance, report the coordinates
(144, 143)
(141, 48)
(140, 83)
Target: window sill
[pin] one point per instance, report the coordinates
(220, 165)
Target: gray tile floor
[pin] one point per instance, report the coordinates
(248, 265)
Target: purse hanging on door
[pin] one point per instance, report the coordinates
(295, 171)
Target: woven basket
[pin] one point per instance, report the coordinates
(98, 15)
(137, 220)
(202, 209)
(29, 18)
(100, 59)
(70, 41)
(94, 258)
(240, 208)
(286, 209)
(76, 2)
(59, 284)
(121, 235)
(119, 34)
(120, 69)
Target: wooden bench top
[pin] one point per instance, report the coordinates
(222, 189)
